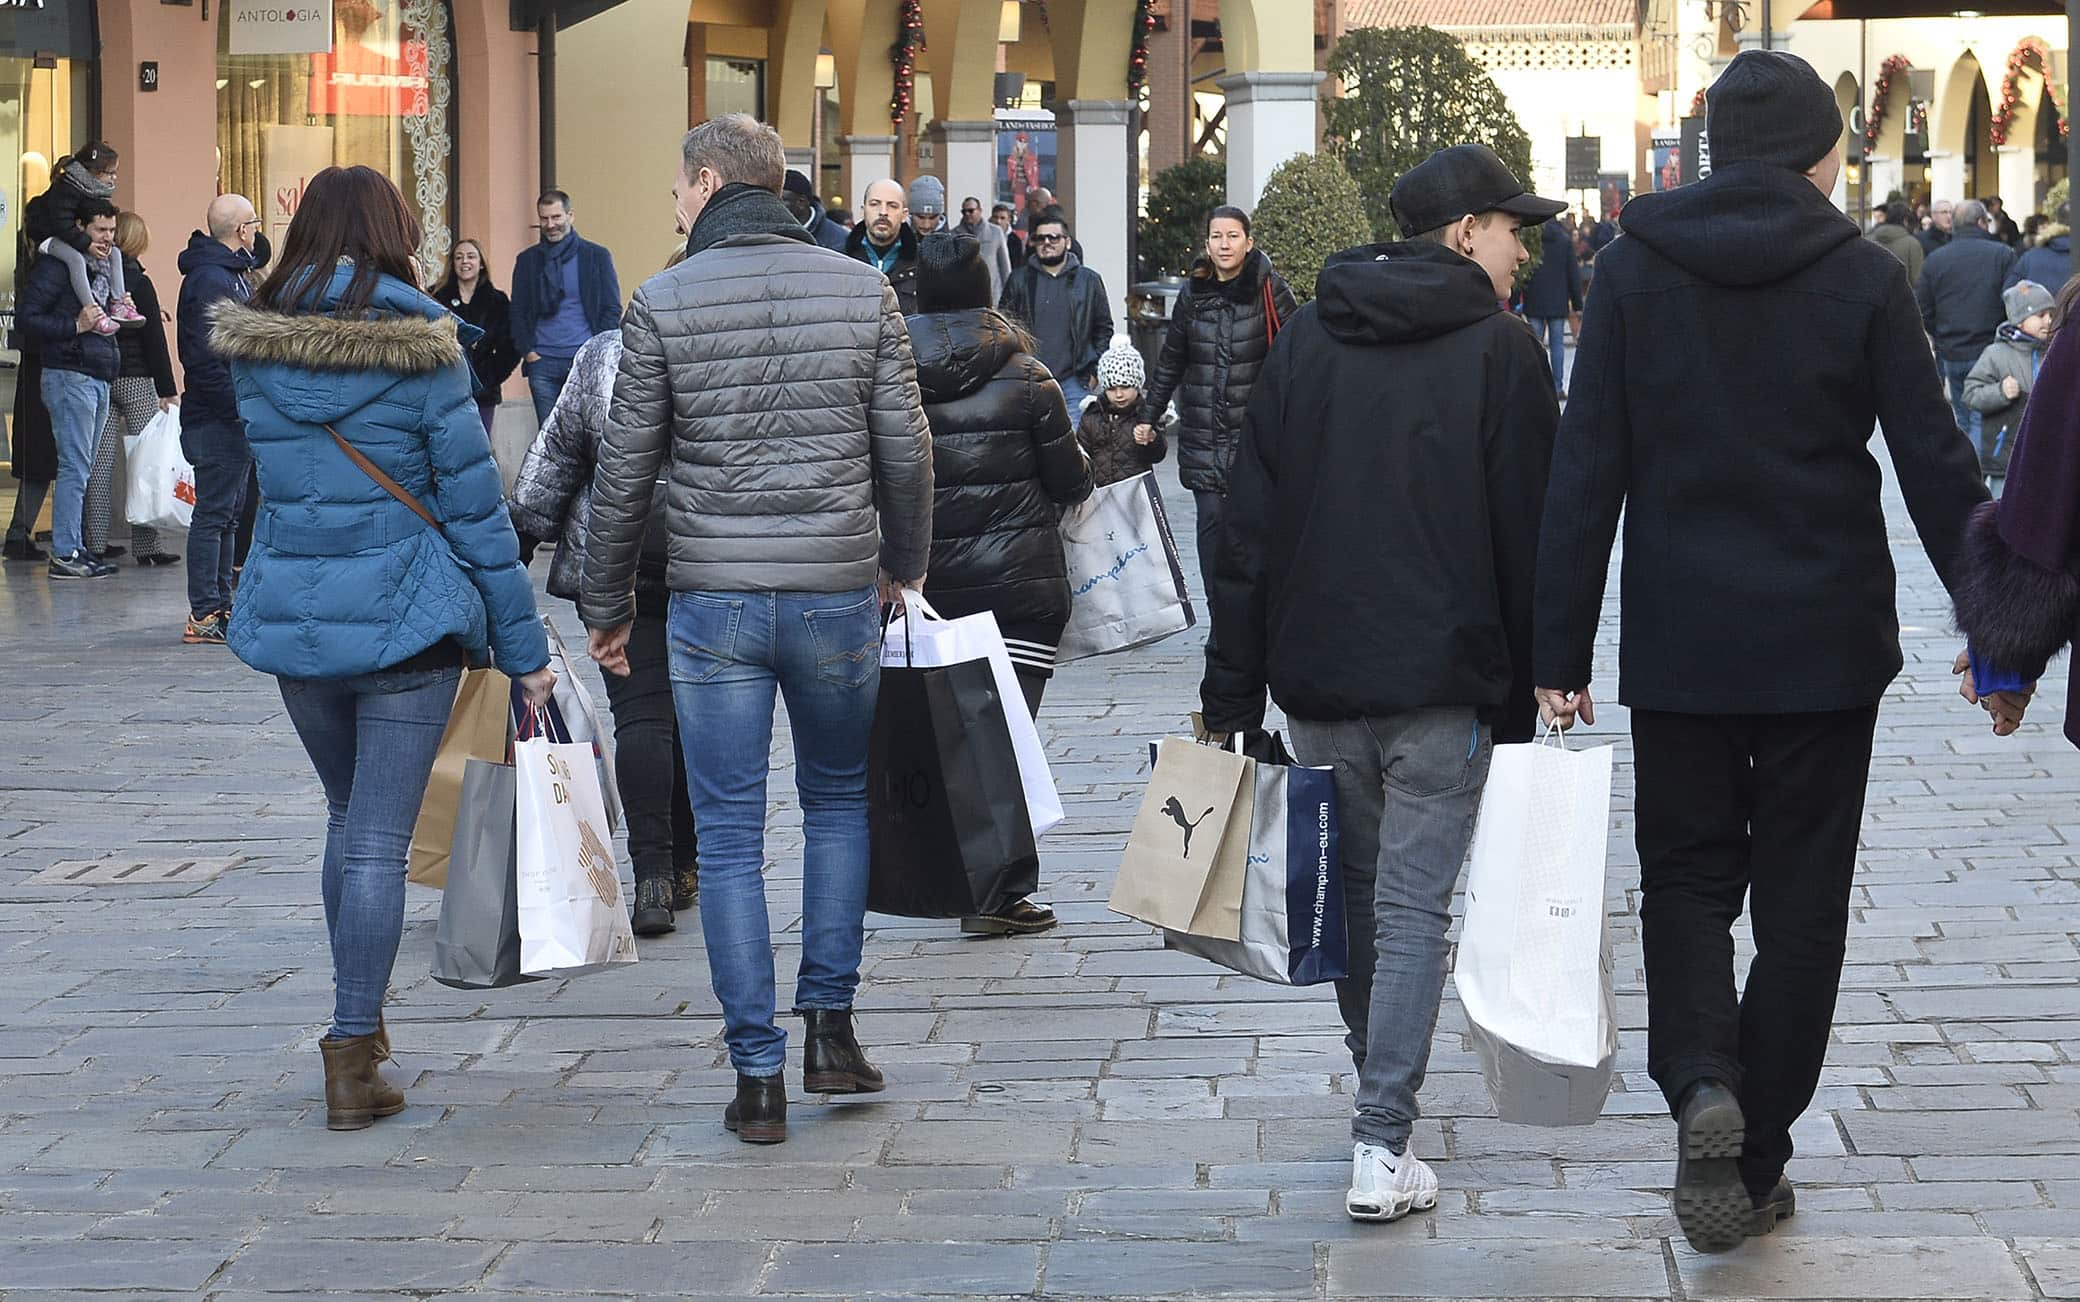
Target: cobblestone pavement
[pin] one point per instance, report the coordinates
(1076, 1115)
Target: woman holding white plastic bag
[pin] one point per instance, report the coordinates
(143, 389)
(1005, 463)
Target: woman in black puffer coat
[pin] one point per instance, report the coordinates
(1220, 333)
(1004, 465)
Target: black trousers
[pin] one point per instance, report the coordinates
(1766, 806)
(650, 768)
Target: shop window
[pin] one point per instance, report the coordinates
(383, 98)
(736, 86)
(44, 116)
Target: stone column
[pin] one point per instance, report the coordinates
(1946, 175)
(803, 161)
(865, 159)
(1091, 175)
(967, 162)
(1270, 119)
(2017, 169)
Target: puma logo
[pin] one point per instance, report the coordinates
(1176, 811)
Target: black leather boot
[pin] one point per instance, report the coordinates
(1711, 1201)
(832, 1061)
(759, 1114)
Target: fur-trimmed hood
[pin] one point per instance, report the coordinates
(315, 366)
(405, 345)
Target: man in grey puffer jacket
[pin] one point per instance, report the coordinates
(778, 377)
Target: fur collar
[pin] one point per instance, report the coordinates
(407, 345)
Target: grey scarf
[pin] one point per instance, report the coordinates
(739, 209)
(87, 183)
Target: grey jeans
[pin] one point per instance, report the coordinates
(1407, 790)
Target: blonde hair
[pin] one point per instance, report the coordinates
(133, 237)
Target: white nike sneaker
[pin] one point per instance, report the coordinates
(1385, 1187)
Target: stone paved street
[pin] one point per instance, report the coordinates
(1076, 1115)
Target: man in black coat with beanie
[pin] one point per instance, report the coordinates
(1740, 342)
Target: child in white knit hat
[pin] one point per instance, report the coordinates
(1111, 416)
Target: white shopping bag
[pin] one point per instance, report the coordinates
(920, 637)
(160, 489)
(581, 718)
(573, 919)
(1534, 968)
(1125, 583)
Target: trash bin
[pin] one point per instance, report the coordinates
(1148, 316)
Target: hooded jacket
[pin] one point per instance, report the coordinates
(903, 275)
(1004, 464)
(344, 579)
(1555, 288)
(210, 274)
(1215, 346)
(1740, 343)
(2050, 264)
(767, 389)
(2015, 355)
(1960, 293)
(1090, 316)
(1900, 243)
(1382, 519)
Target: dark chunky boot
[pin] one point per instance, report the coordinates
(1711, 1200)
(832, 1061)
(686, 887)
(1779, 1204)
(355, 1095)
(759, 1114)
(653, 911)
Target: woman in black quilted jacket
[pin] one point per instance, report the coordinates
(1004, 465)
(1220, 332)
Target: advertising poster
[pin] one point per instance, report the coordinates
(1025, 156)
(294, 155)
(1665, 157)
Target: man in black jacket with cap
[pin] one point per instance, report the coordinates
(1376, 574)
(1741, 341)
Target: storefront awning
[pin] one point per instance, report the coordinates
(526, 15)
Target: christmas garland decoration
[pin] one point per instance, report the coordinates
(2032, 54)
(1881, 98)
(1137, 62)
(903, 54)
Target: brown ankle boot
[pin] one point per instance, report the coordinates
(355, 1095)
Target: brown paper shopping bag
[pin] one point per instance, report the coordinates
(1188, 856)
(479, 727)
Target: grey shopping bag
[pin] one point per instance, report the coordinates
(477, 944)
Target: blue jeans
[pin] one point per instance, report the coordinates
(1968, 421)
(731, 652)
(78, 405)
(545, 381)
(1073, 393)
(372, 740)
(1409, 787)
(223, 461)
(1553, 329)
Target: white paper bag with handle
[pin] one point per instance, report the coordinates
(581, 716)
(1534, 970)
(573, 919)
(921, 638)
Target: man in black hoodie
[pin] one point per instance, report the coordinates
(1740, 343)
(1376, 572)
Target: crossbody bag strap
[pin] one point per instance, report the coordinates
(385, 482)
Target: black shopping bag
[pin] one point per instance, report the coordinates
(476, 945)
(948, 831)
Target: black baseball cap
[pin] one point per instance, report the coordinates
(1456, 182)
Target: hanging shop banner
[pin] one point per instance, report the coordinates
(281, 26)
(61, 27)
(1025, 155)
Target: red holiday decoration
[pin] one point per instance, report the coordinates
(2033, 55)
(1137, 62)
(1697, 103)
(1881, 97)
(903, 54)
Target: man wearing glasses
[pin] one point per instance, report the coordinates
(213, 268)
(1063, 303)
(995, 255)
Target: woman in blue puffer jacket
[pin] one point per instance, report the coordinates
(365, 612)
